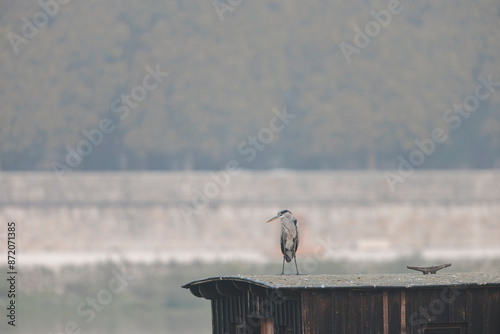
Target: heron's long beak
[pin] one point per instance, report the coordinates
(274, 218)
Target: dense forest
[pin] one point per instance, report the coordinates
(120, 85)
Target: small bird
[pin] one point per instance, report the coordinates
(289, 237)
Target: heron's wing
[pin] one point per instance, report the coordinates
(282, 242)
(296, 240)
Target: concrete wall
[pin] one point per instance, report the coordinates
(186, 215)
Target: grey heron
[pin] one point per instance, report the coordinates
(289, 237)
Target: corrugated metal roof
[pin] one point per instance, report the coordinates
(359, 281)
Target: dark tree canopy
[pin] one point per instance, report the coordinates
(226, 77)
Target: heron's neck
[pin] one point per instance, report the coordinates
(283, 225)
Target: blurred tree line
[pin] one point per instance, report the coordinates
(225, 77)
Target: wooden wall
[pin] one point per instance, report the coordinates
(407, 311)
(359, 311)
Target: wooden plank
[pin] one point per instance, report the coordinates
(403, 312)
(215, 317)
(297, 320)
(414, 318)
(386, 312)
(484, 301)
(231, 314)
(305, 299)
(374, 311)
(225, 314)
(493, 311)
(468, 310)
(244, 309)
(394, 300)
(321, 309)
(218, 316)
(458, 301)
(267, 326)
(340, 311)
(357, 311)
(437, 309)
(474, 310)
(316, 310)
(426, 306)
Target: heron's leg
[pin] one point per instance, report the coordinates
(295, 258)
(283, 269)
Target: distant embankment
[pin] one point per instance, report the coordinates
(197, 215)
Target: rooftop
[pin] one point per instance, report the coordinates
(358, 280)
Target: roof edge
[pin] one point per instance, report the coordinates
(365, 281)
